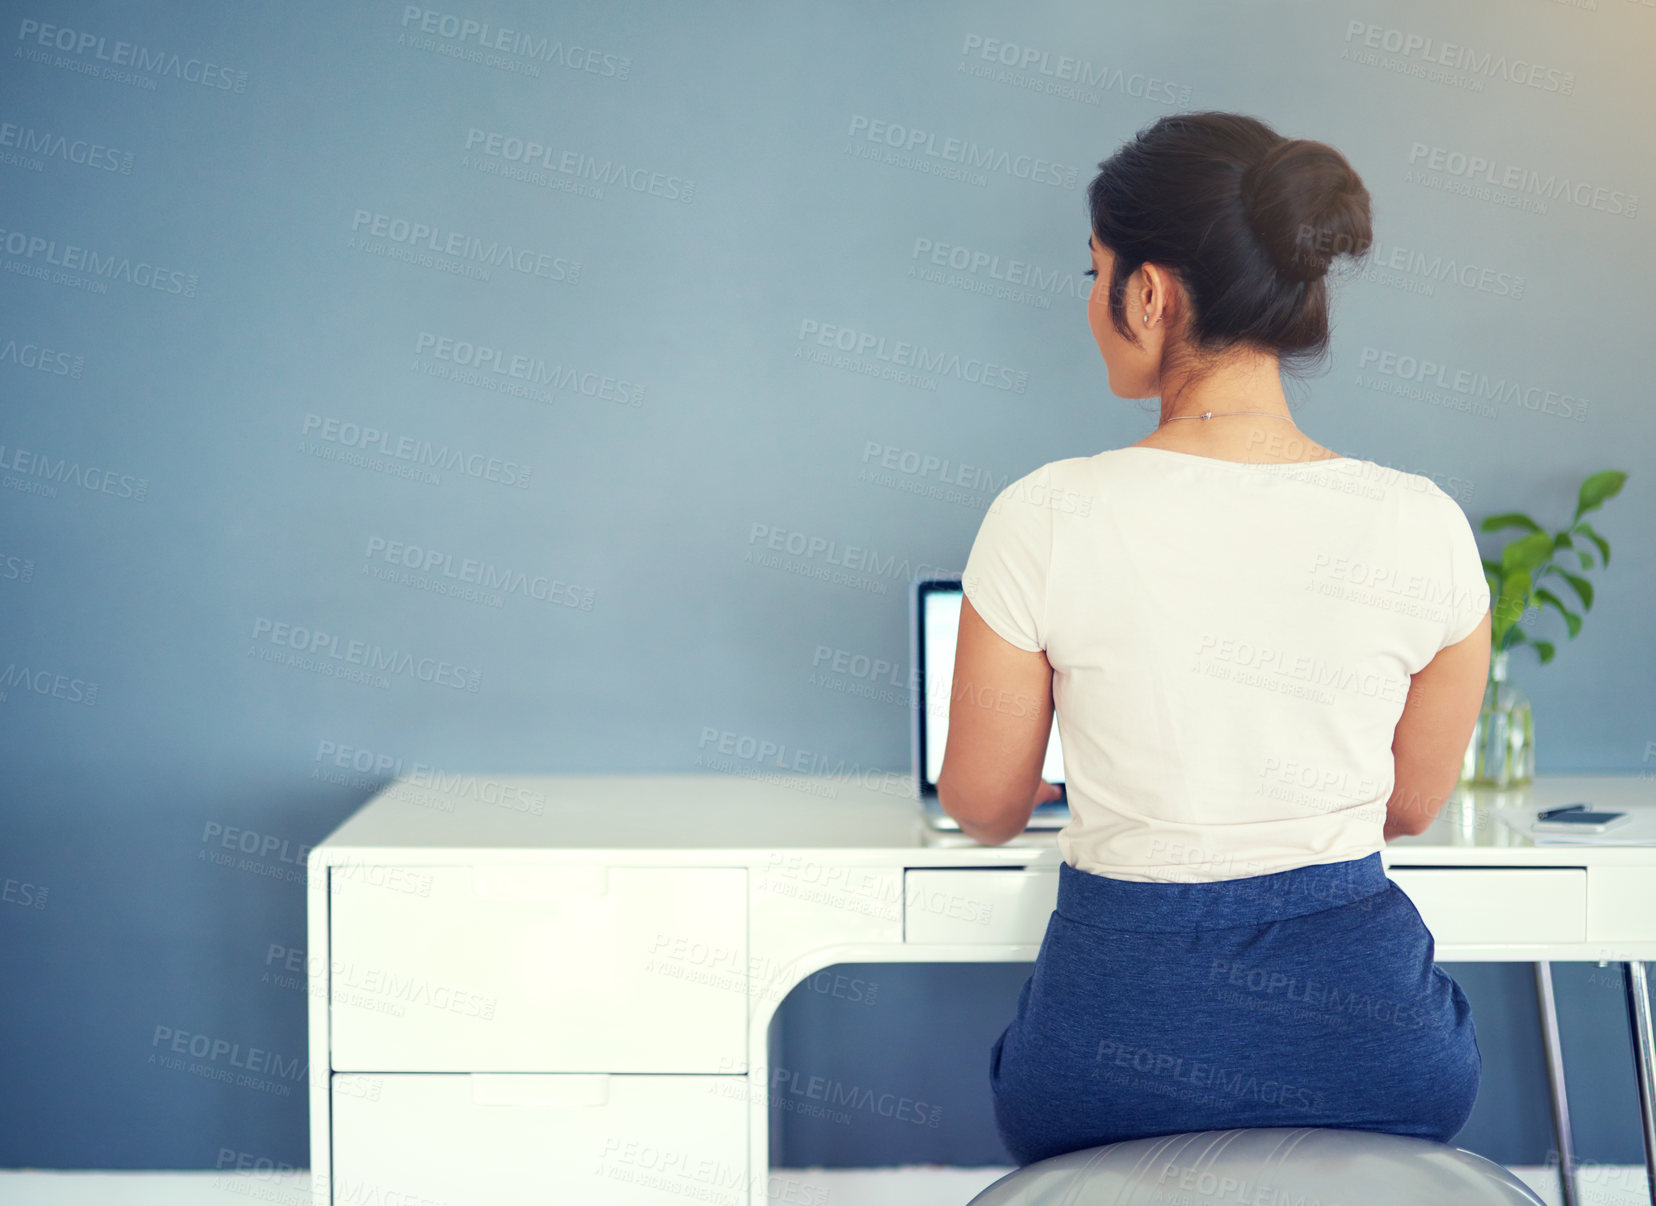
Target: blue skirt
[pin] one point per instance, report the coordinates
(1304, 998)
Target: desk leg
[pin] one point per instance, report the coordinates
(1634, 978)
(1555, 1082)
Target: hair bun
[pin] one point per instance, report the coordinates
(1306, 205)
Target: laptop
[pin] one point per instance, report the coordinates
(934, 625)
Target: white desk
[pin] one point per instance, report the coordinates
(558, 988)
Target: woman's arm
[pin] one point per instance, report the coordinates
(1429, 745)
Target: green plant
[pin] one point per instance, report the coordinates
(1515, 580)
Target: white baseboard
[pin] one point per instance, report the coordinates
(1599, 1185)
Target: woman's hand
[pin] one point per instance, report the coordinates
(1045, 793)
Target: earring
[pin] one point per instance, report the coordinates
(1146, 317)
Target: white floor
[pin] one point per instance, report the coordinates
(1600, 1185)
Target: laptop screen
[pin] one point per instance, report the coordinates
(937, 625)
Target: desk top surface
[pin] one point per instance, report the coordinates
(870, 817)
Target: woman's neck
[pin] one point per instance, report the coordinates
(1242, 438)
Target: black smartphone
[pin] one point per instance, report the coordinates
(1577, 820)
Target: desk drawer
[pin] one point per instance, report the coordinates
(528, 1140)
(1493, 906)
(965, 905)
(538, 969)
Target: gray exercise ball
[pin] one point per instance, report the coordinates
(1263, 1166)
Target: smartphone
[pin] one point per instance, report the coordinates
(1584, 821)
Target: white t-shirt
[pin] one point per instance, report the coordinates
(1231, 646)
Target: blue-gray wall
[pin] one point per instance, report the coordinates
(213, 289)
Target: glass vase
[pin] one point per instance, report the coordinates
(1502, 750)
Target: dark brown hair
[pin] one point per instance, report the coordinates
(1247, 220)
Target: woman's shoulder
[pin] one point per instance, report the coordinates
(1058, 486)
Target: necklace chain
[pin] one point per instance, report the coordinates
(1208, 414)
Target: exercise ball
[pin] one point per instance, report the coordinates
(1263, 1166)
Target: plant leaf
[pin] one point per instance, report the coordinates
(1582, 587)
(1509, 519)
(1526, 552)
(1599, 486)
(1509, 605)
(1544, 649)
(1586, 529)
(1585, 558)
(1571, 620)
